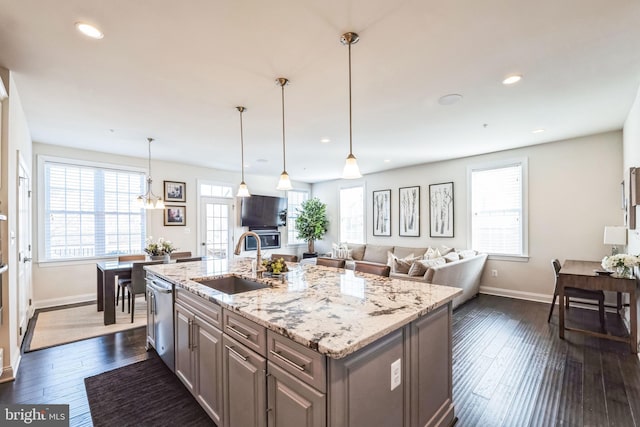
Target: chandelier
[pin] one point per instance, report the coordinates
(149, 200)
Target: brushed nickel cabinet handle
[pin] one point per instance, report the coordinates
(233, 350)
(287, 361)
(231, 328)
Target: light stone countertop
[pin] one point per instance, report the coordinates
(333, 311)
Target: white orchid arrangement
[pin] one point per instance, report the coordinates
(613, 262)
(160, 247)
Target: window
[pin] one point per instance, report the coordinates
(498, 214)
(352, 214)
(216, 190)
(294, 202)
(90, 211)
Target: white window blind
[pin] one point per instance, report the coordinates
(294, 202)
(91, 211)
(352, 215)
(498, 215)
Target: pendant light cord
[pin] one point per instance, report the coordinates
(282, 81)
(350, 118)
(241, 109)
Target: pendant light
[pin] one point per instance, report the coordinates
(149, 200)
(284, 183)
(351, 170)
(243, 190)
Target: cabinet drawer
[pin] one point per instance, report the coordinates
(298, 360)
(207, 310)
(245, 331)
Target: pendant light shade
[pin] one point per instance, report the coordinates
(243, 190)
(149, 200)
(351, 169)
(284, 183)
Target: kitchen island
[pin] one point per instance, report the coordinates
(320, 347)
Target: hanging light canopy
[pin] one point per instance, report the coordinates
(149, 200)
(351, 169)
(284, 183)
(243, 190)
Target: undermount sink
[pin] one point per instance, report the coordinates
(231, 284)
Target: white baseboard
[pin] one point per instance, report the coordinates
(529, 296)
(55, 302)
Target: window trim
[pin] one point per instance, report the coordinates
(354, 184)
(498, 164)
(41, 160)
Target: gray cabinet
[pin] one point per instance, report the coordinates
(244, 385)
(198, 352)
(291, 402)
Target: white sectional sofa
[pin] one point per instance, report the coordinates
(450, 267)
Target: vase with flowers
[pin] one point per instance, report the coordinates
(621, 265)
(160, 249)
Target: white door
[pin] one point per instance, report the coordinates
(24, 250)
(217, 228)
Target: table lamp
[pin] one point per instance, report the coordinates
(615, 235)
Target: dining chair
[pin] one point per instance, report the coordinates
(178, 255)
(137, 285)
(194, 258)
(126, 278)
(378, 269)
(286, 257)
(575, 293)
(331, 262)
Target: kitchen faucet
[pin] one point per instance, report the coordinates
(258, 256)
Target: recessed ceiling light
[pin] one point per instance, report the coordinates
(452, 98)
(537, 131)
(89, 30)
(387, 160)
(262, 160)
(325, 140)
(514, 78)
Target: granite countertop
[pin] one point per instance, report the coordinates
(333, 311)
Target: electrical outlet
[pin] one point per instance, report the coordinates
(494, 273)
(396, 374)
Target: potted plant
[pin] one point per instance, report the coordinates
(312, 222)
(160, 249)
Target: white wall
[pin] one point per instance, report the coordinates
(67, 282)
(574, 191)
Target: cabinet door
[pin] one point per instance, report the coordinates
(292, 403)
(244, 386)
(185, 364)
(151, 324)
(208, 347)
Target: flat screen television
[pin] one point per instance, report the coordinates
(263, 211)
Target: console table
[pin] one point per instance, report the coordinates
(582, 274)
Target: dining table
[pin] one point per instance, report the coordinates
(106, 286)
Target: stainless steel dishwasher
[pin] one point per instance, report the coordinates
(160, 318)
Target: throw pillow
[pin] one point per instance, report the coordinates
(467, 253)
(420, 267)
(393, 262)
(432, 253)
(445, 250)
(452, 256)
(357, 251)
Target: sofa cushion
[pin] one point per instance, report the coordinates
(375, 253)
(404, 252)
(357, 251)
(420, 267)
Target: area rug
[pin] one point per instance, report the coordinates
(146, 393)
(65, 325)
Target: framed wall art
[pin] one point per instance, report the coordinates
(382, 213)
(175, 191)
(441, 209)
(409, 211)
(175, 215)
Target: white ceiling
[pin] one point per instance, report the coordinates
(175, 70)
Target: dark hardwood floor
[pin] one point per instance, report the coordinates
(509, 369)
